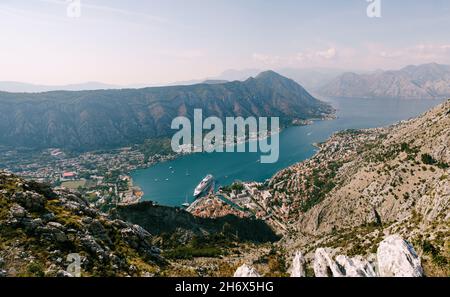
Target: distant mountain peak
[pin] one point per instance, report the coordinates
(269, 74)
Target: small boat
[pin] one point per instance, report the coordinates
(186, 203)
(170, 167)
(187, 173)
(167, 179)
(173, 171)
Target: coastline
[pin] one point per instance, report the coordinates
(178, 155)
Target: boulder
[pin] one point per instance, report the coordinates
(246, 271)
(355, 267)
(89, 243)
(47, 217)
(18, 211)
(63, 273)
(35, 223)
(56, 225)
(397, 258)
(99, 232)
(298, 265)
(324, 266)
(53, 232)
(30, 200)
(136, 236)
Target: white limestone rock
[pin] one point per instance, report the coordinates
(355, 267)
(298, 265)
(246, 271)
(397, 258)
(324, 266)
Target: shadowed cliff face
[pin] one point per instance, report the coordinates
(87, 120)
(161, 220)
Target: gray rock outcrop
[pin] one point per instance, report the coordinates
(298, 265)
(246, 271)
(397, 258)
(355, 267)
(325, 266)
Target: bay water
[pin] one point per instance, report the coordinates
(171, 183)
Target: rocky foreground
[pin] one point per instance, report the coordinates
(40, 228)
(395, 258)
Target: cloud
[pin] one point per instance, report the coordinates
(327, 54)
(266, 59)
(365, 57)
(316, 55)
(308, 56)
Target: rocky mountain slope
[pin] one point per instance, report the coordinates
(42, 230)
(89, 120)
(429, 81)
(363, 185)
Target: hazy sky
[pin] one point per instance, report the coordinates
(136, 41)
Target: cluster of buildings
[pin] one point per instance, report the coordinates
(102, 176)
(212, 206)
(251, 200)
(293, 186)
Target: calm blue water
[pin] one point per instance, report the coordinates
(295, 145)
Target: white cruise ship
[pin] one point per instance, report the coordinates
(204, 185)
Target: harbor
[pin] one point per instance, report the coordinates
(168, 183)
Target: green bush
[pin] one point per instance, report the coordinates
(36, 269)
(187, 252)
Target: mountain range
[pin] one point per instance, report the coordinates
(20, 87)
(411, 82)
(428, 81)
(310, 78)
(87, 120)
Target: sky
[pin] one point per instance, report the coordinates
(151, 42)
